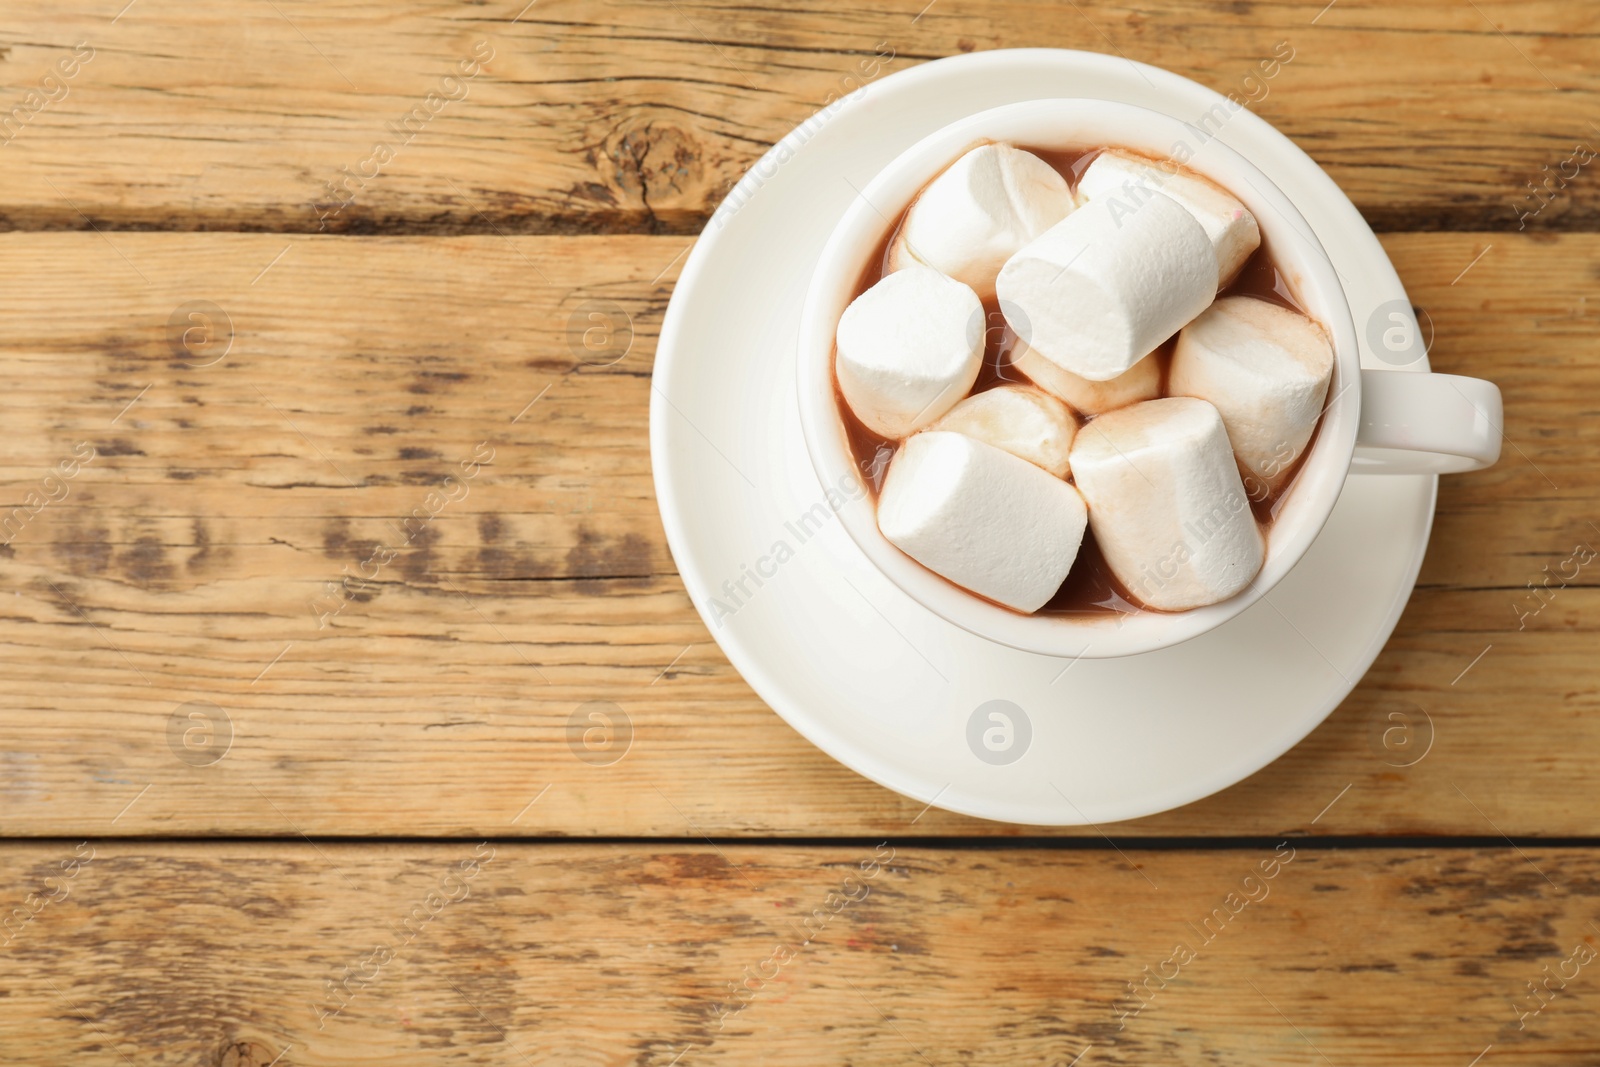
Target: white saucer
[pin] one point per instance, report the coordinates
(874, 679)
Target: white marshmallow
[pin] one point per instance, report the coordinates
(986, 520)
(1166, 504)
(1142, 381)
(972, 218)
(1227, 222)
(1103, 287)
(909, 348)
(1027, 422)
(1266, 369)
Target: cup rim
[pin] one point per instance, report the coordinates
(1060, 123)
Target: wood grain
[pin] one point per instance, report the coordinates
(186, 560)
(639, 116)
(498, 953)
(206, 432)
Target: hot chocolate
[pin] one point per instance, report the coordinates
(1146, 355)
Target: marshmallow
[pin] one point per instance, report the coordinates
(1103, 287)
(986, 520)
(1266, 370)
(1142, 381)
(1022, 420)
(1166, 504)
(909, 348)
(972, 218)
(1229, 225)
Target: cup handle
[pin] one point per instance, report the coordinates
(1426, 423)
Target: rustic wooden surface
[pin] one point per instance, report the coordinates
(857, 953)
(637, 115)
(185, 558)
(376, 348)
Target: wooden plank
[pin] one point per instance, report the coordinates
(497, 953)
(634, 115)
(185, 559)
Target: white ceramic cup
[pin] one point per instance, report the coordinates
(1378, 421)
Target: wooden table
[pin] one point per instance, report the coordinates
(254, 813)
